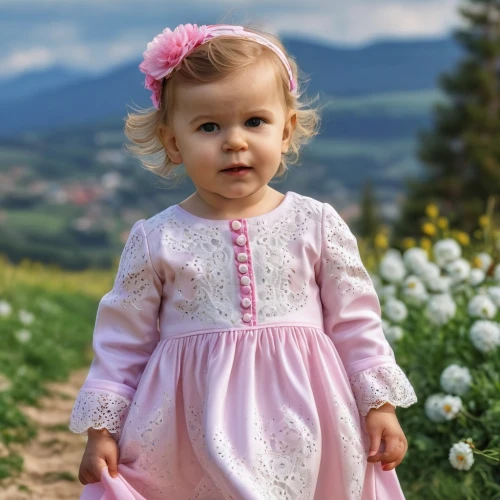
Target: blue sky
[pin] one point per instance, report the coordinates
(96, 35)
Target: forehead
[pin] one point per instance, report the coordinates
(255, 86)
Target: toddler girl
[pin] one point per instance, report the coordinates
(240, 353)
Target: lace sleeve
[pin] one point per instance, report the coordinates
(376, 386)
(352, 319)
(125, 335)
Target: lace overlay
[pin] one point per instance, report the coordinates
(207, 290)
(134, 277)
(98, 410)
(274, 263)
(383, 384)
(343, 261)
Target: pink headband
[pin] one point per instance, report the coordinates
(167, 50)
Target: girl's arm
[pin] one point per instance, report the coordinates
(126, 333)
(352, 320)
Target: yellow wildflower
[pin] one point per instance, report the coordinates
(442, 223)
(432, 210)
(463, 238)
(409, 242)
(426, 244)
(381, 241)
(484, 221)
(429, 229)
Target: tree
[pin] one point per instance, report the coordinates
(462, 153)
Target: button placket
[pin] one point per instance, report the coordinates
(239, 237)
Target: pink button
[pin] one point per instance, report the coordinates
(242, 257)
(245, 280)
(236, 224)
(246, 303)
(247, 317)
(246, 290)
(243, 268)
(241, 240)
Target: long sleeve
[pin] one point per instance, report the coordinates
(125, 335)
(352, 320)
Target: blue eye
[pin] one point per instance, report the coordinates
(255, 122)
(208, 127)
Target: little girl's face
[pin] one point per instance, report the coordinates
(239, 120)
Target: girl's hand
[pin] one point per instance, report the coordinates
(102, 451)
(382, 423)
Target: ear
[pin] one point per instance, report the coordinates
(169, 141)
(288, 130)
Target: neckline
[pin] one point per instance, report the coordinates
(272, 212)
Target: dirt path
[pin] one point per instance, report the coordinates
(52, 459)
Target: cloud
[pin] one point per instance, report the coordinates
(99, 34)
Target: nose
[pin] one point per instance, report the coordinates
(234, 140)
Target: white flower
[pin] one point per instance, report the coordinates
(387, 292)
(395, 310)
(23, 336)
(446, 251)
(433, 408)
(485, 335)
(494, 293)
(458, 270)
(481, 306)
(456, 379)
(461, 456)
(429, 271)
(26, 317)
(485, 261)
(392, 269)
(440, 309)
(476, 277)
(414, 291)
(393, 333)
(441, 284)
(496, 273)
(5, 309)
(415, 259)
(450, 406)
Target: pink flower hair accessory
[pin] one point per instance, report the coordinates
(167, 50)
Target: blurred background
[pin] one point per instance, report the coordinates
(408, 153)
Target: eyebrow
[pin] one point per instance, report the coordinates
(249, 113)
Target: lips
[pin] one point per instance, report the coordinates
(236, 168)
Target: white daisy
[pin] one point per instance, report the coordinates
(414, 259)
(395, 310)
(458, 270)
(446, 251)
(23, 336)
(5, 309)
(387, 291)
(456, 379)
(26, 317)
(440, 309)
(429, 271)
(461, 456)
(414, 291)
(393, 333)
(392, 269)
(441, 284)
(485, 261)
(494, 294)
(476, 277)
(485, 335)
(433, 408)
(481, 306)
(496, 273)
(450, 406)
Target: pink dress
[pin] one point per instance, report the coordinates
(235, 359)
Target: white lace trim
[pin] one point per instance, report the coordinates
(374, 387)
(343, 261)
(99, 410)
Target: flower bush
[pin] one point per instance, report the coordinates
(440, 308)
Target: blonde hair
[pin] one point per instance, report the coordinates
(212, 61)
